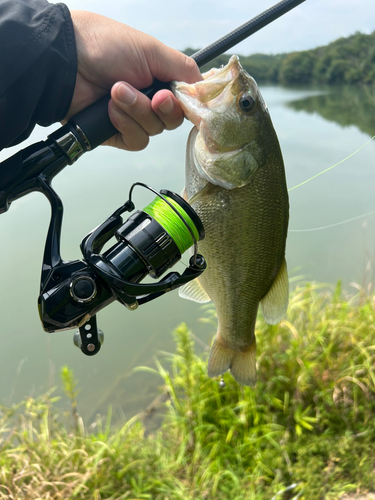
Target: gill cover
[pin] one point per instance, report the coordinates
(226, 108)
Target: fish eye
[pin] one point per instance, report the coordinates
(246, 103)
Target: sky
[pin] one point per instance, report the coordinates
(197, 23)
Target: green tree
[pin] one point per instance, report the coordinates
(298, 67)
(337, 71)
(349, 60)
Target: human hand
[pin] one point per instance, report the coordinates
(112, 55)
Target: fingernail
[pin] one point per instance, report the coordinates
(166, 107)
(125, 94)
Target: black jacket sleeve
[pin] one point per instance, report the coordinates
(38, 66)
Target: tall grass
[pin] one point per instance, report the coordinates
(307, 428)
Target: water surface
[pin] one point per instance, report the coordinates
(317, 127)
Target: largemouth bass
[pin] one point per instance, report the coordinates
(235, 181)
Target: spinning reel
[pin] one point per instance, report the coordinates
(147, 245)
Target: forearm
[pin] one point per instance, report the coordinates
(38, 66)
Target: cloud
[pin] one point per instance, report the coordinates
(193, 23)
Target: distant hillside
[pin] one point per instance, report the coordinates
(345, 61)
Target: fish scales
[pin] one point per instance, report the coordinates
(252, 224)
(245, 218)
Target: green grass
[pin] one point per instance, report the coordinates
(309, 421)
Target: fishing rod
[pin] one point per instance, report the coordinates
(148, 243)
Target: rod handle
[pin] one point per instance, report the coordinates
(94, 120)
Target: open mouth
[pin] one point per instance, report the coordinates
(208, 95)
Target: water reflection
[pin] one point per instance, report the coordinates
(345, 105)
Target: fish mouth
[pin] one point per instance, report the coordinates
(196, 99)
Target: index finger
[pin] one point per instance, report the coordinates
(168, 64)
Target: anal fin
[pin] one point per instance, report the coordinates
(243, 367)
(275, 303)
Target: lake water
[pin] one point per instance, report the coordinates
(317, 127)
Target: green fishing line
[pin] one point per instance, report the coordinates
(172, 223)
(329, 168)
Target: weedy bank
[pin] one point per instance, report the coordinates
(309, 423)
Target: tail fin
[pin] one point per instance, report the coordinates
(240, 363)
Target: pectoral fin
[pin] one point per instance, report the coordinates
(275, 303)
(204, 191)
(194, 291)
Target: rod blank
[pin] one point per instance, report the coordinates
(247, 29)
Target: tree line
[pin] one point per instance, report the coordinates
(348, 60)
